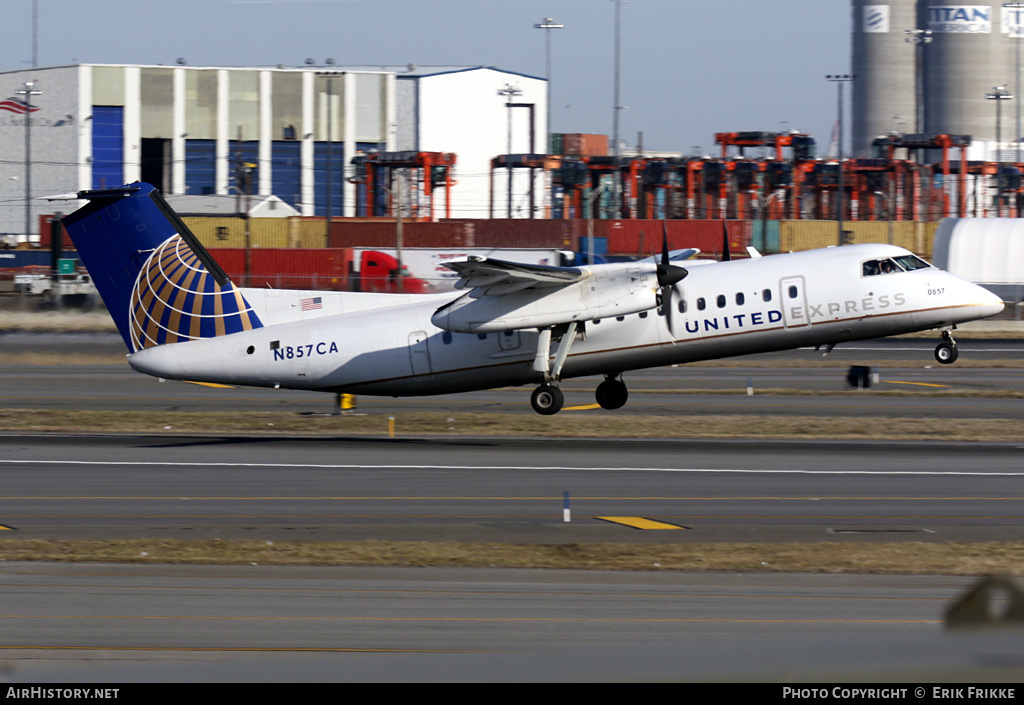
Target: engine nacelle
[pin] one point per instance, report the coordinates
(607, 290)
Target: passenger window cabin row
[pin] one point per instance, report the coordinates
(721, 300)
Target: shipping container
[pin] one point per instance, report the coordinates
(797, 235)
(288, 268)
(644, 237)
(764, 236)
(520, 233)
(384, 234)
(557, 143)
(230, 232)
(17, 259)
(600, 249)
(584, 145)
(46, 230)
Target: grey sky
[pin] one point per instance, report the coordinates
(689, 68)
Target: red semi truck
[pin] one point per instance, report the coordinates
(379, 271)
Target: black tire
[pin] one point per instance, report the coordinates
(946, 353)
(547, 399)
(612, 394)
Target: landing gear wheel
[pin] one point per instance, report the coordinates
(946, 353)
(612, 394)
(547, 399)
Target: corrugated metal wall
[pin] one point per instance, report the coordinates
(287, 171)
(201, 167)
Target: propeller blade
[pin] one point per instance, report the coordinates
(666, 307)
(664, 243)
(668, 274)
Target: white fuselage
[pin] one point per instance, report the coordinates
(387, 345)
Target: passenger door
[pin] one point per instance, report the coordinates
(793, 300)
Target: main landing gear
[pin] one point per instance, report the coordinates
(547, 399)
(946, 351)
(612, 393)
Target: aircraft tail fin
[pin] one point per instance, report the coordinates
(157, 280)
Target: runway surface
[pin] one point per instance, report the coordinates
(118, 624)
(126, 623)
(507, 489)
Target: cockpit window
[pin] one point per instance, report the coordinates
(874, 267)
(909, 262)
(906, 262)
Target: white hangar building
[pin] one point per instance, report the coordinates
(466, 111)
(187, 129)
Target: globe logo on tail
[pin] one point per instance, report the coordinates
(175, 299)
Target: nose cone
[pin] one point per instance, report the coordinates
(988, 303)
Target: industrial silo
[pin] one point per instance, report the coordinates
(883, 63)
(971, 53)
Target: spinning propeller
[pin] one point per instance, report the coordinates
(668, 276)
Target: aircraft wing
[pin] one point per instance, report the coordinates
(494, 277)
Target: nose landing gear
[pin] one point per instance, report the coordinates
(946, 351)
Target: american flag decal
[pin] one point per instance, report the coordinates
(21, 107)
(312, 304)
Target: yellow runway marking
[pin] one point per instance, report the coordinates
(582, 408)
(919, 384)
(6, 528)
(211, 384)
(640, 523)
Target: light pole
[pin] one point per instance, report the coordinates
(510, 92)
(616, 193)
(35, 33)
(999, 94)
(1015, 33)
(919, 38)
(28, 91)
(547, 25)
(839, 80)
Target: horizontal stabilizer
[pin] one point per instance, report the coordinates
(674, 255)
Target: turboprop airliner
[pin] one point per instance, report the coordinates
(507, 324)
